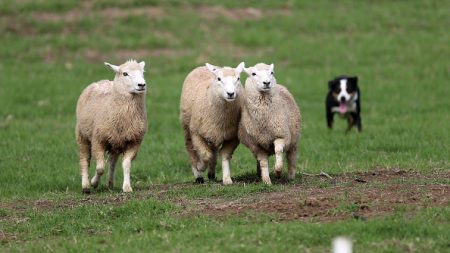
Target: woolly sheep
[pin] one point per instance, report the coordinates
(210, 107)
(270, 122)
(111, 117)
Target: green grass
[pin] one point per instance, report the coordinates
(398, 49)
(148, 225)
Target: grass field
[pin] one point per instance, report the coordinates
(50, 50)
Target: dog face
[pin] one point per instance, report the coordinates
(344, 91)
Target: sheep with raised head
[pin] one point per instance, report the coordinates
(112, 118)
(210, 109)
(270, 121)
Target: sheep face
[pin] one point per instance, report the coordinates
(263, 75)
(226, 80)
(129, 77)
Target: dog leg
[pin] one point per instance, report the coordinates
(358, 123)
(351, 122)
(329, 118)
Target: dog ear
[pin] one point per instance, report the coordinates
(331, 84)
(353, 80)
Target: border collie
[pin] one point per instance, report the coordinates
(344, 98)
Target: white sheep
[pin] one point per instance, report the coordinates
(111, 117)
(270, 121)
(210, 107)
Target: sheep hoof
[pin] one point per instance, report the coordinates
(95, 181)
(127, 188)
(227, 181)
(291, 176)
(212, 176)
(200, 180)
(94, 184)
(267, 181)
(86, 191)
(277, 173)
(100, 172)
(110, 185)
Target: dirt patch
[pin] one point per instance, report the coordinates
(95, 56)
(151, 12)
(19, 27)
(318, 199)
(107, 13)
(360, 195)
(213, 12)
(6, 237)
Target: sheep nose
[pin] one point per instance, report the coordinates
(266, 84)
(230, 94)
(141, 84)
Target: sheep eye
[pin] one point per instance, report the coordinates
(125, 74)
(218, 79)
(271, 73)
(239, 78)
(253, 74)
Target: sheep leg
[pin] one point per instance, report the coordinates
(279, 146)
(128, 156)
(85, 157)
(112, 167)
(193, 157)
(258, 168)
(292, 162)
(99, 153)
(212, 167)
(264, 163)
(255, 151)
(197, 170)
(226, 152)
(190, 148)
(205, 155)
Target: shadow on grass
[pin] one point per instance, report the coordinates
(252, 177)
(246, 178)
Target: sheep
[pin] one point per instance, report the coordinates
(270, 122)
(111, 117)
(210, 107)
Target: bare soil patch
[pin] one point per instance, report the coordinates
(360, 196)
(6, 237)
(213, 12)
(319, 199)
(107, 13)
(24, 27)
(95, 56)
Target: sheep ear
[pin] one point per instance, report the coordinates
(211, 68)
(272, 67)
(113, 67)
(142, 64)
(240, 67)
(248, 71)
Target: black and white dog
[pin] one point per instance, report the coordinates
(344, 98)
